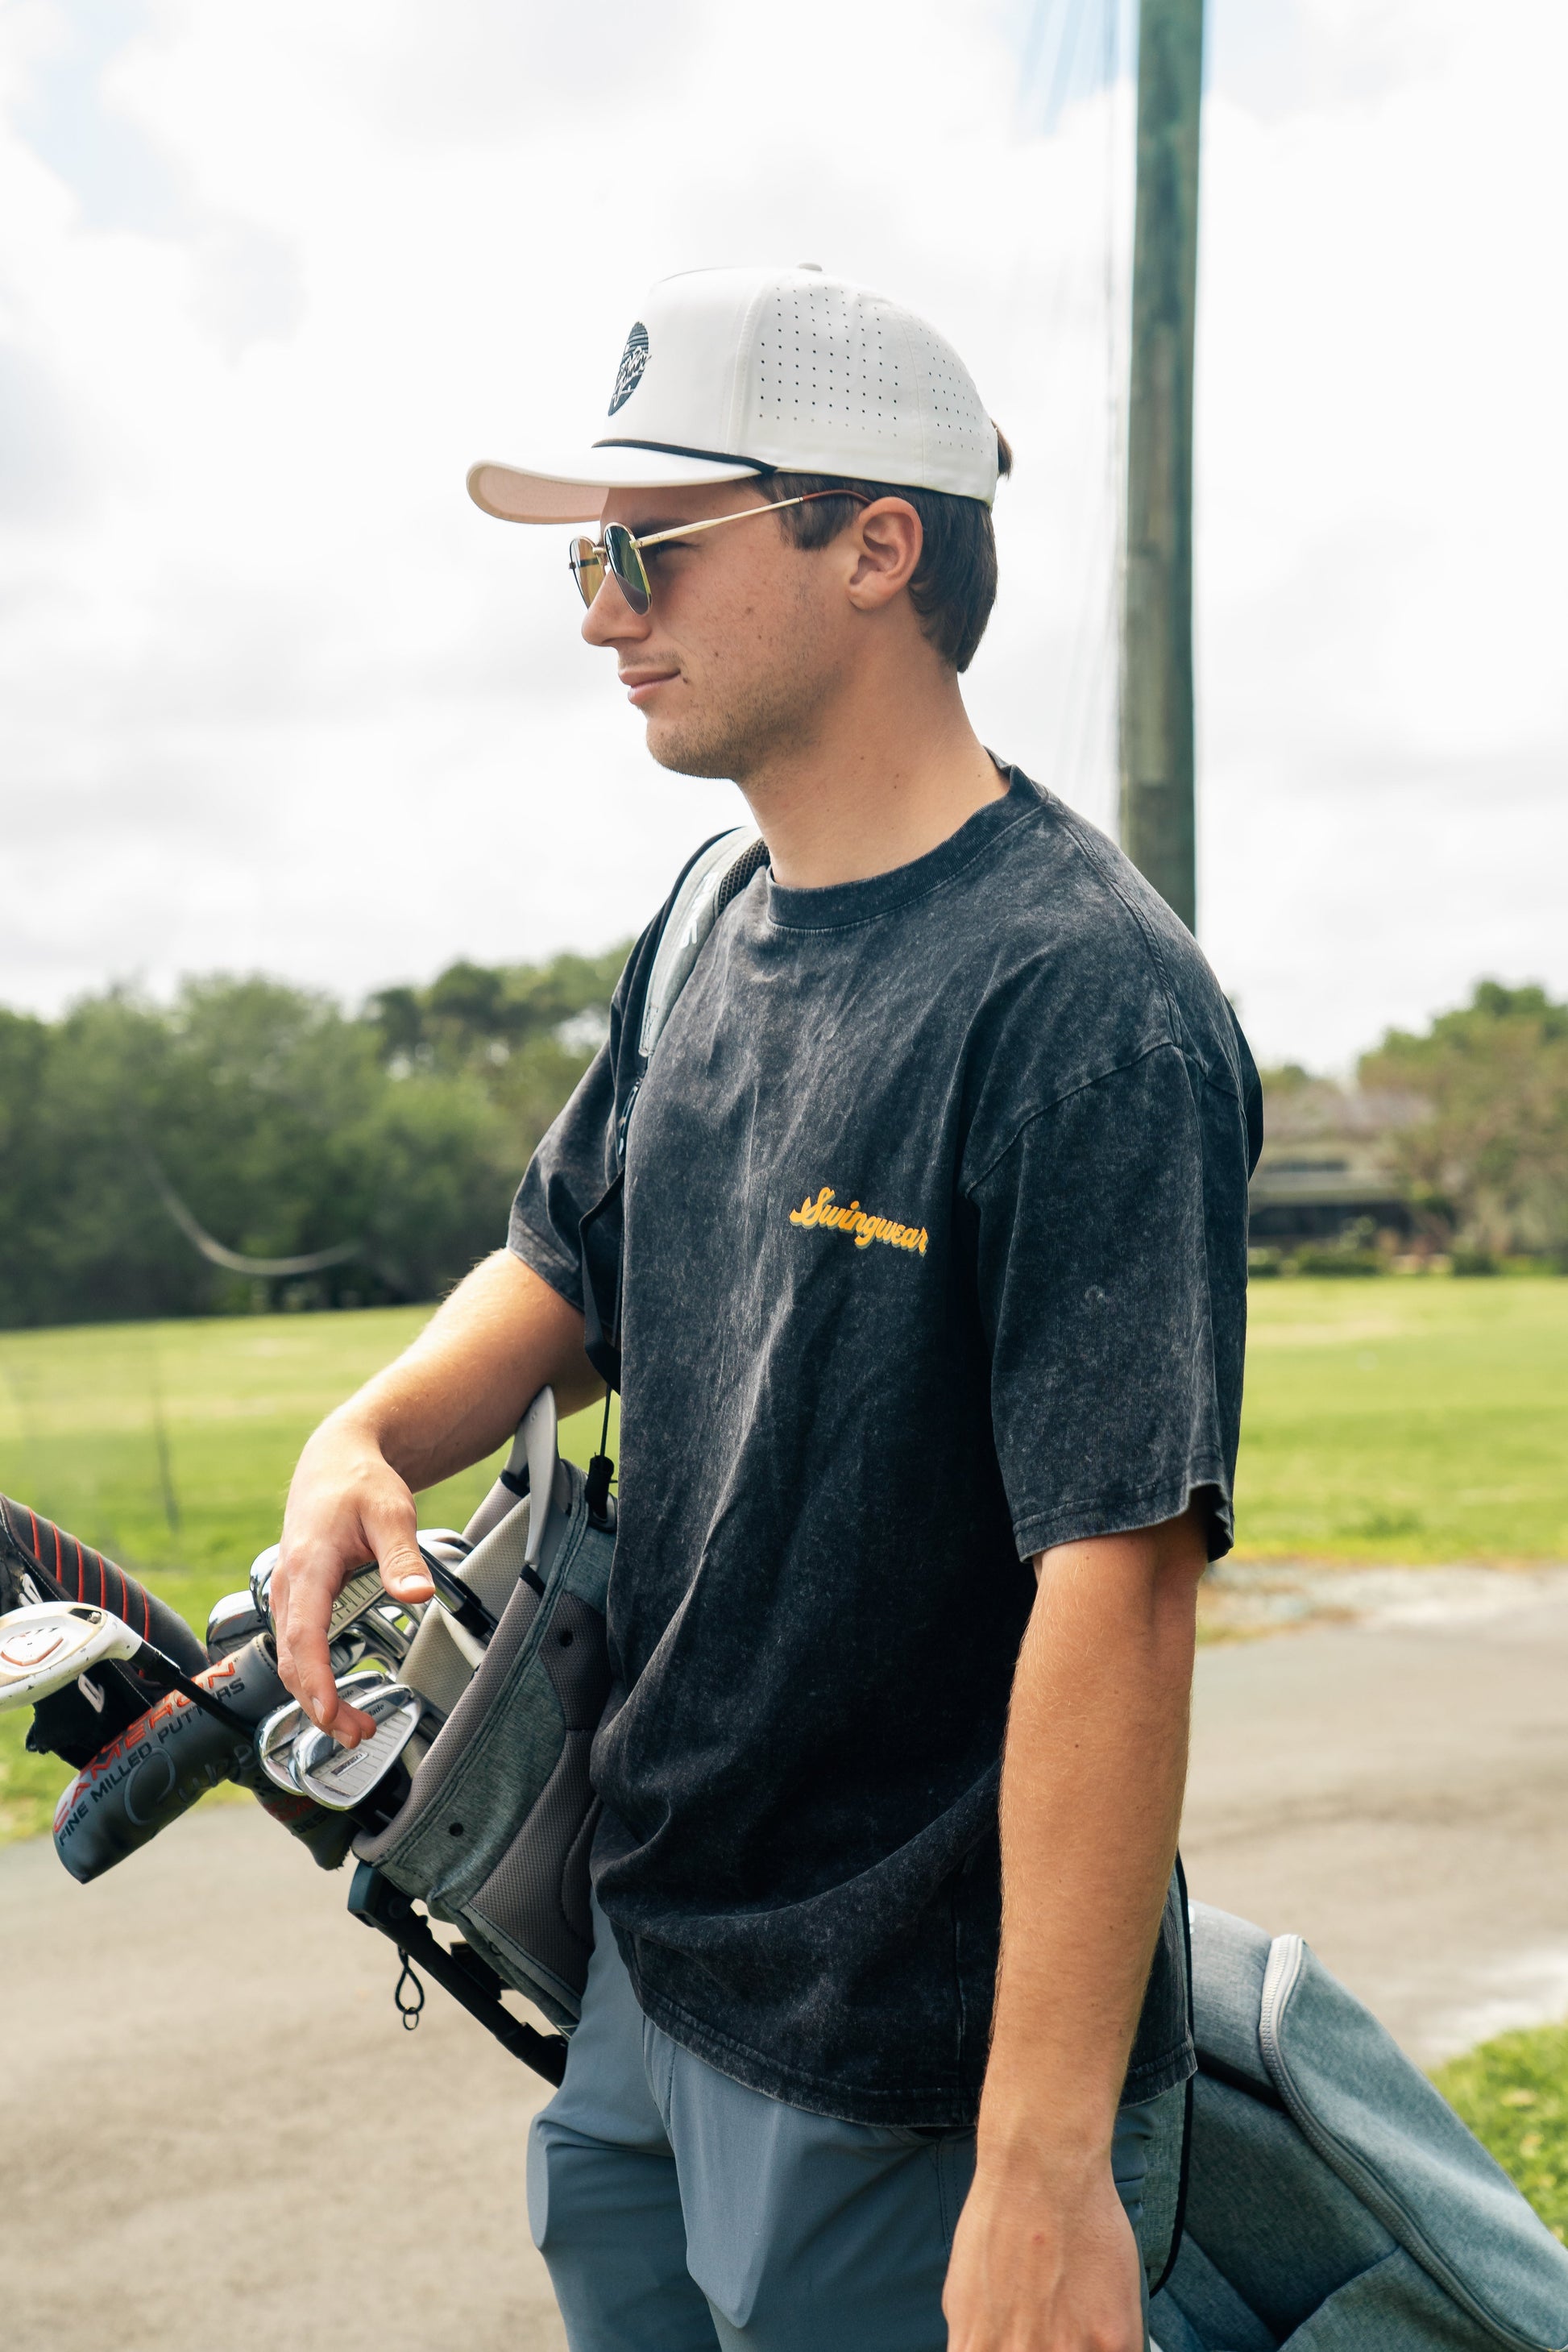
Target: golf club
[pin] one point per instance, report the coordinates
(274, 1736)
(50, 1643)
(459, 1600)
(343, 1778)
(231, 1622)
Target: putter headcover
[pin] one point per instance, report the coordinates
(159, 1764)
(40, 1561)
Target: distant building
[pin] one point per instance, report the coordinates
(1327, 1163)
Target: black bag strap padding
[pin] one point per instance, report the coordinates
(751, 861)
(64, 1568)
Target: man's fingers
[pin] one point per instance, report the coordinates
(304, 1662)
(391, 1530)
(314, 1566)
(349, 1725)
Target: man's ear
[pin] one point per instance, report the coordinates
(886, 538)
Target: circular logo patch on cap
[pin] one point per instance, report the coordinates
(629, 375)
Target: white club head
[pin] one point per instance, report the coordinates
(342, 1778)
(50, 1643)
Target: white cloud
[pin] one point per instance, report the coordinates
(275, 694)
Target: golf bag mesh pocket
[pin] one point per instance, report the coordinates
(494, 1835)
(532, 1914)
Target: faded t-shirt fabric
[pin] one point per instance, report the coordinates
(935, 1255)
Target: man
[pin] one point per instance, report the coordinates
(932, 1324)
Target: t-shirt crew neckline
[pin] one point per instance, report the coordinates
(841, 904)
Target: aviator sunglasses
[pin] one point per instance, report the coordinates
(619, 552)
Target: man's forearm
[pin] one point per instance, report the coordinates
(459, 1390)
(447, 1401)
(1091, 1800)
(1043, 2259)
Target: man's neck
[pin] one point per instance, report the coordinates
(881, 780)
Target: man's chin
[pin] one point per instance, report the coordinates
(686, 751)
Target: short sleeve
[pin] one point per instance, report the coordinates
(1112, 1268)
(566, 1176)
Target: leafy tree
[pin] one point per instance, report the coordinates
(1489, 1159)
(285, 1126)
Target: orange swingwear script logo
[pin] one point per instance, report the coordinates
(859, 1221)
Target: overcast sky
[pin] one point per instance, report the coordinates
(274, 696)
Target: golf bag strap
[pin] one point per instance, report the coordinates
(661, 963)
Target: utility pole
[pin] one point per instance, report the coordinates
(1158, 830)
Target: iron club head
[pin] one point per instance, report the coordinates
(342, 1778)
(275, 1737)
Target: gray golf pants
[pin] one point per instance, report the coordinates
(679, 2212)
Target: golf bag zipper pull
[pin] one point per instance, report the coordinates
(601, 1470)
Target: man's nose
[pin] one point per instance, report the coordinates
(609, 619)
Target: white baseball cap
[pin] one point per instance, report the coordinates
(729, 372)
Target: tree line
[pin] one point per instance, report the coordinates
(283, 1125)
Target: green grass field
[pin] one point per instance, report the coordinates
(1409, 1420)
(1416, 1420)
(1514, 2094)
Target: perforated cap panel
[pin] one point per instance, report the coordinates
(867, 386)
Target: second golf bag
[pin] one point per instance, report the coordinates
(1333, 2201)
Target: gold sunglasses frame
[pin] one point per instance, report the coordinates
(600, 547)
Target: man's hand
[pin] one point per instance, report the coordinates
(448, 1401)
(346, 1507)
(1044, 2260)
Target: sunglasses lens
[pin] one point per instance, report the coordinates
(587, 568)
(626, 563)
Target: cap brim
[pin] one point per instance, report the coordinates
(576, 491)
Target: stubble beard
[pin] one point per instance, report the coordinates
(750, 722)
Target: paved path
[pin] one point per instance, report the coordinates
(1397, 1792)
(217, 2136)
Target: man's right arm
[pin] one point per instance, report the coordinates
(449, 1400)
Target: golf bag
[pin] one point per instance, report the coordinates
(1334, 2202)
(495, 1832)
(487, 1815)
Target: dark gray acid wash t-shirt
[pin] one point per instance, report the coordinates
(935, 1255)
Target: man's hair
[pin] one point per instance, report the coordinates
(953, 585)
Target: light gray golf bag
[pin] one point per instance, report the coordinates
(494, 1835)
(1334, 2201)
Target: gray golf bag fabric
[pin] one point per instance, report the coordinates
(1334, 2201)
(494, 1835)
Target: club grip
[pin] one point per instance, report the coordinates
(158, 1766)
